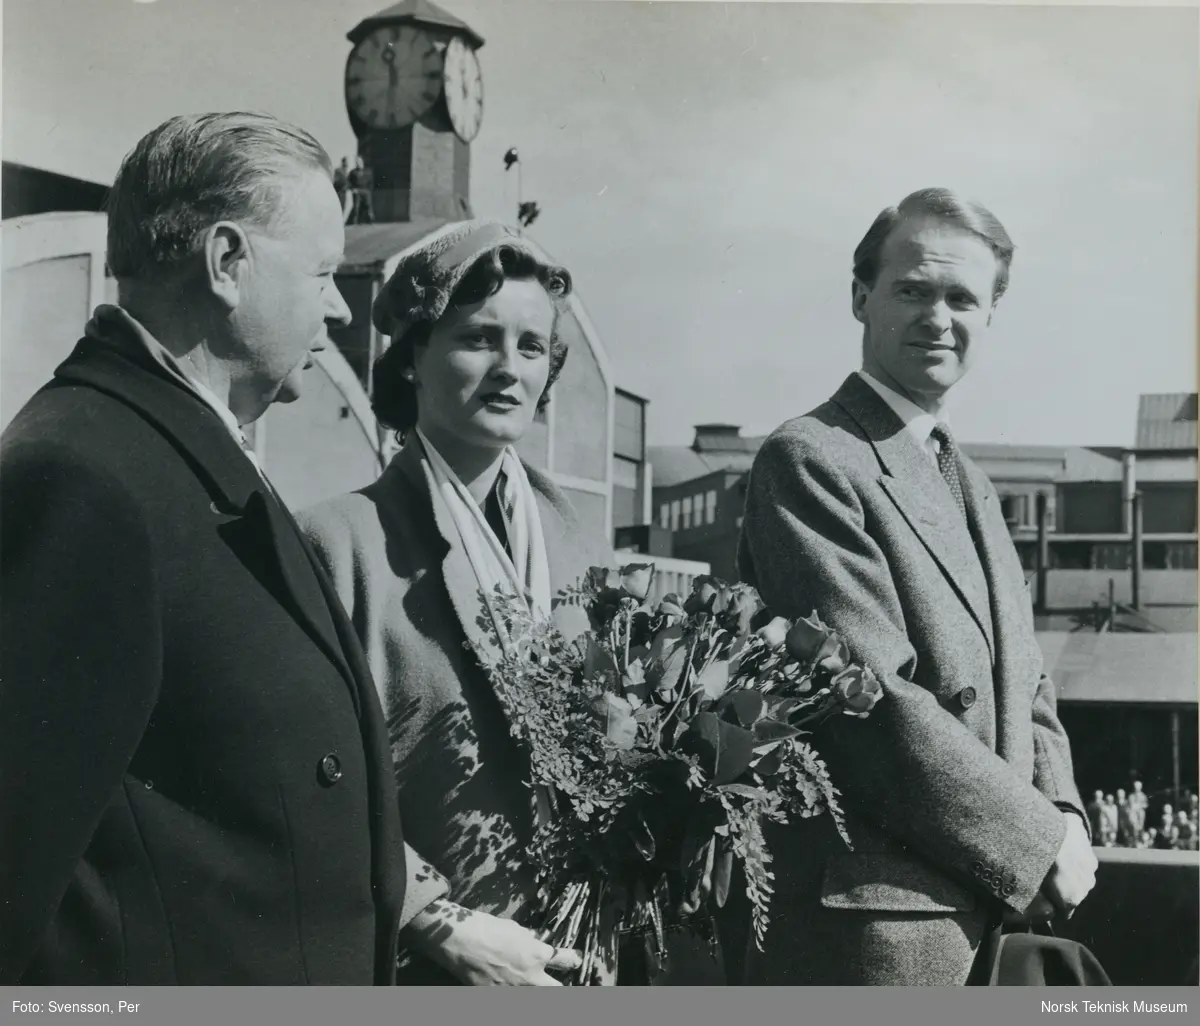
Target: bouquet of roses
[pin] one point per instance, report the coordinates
(659, 742)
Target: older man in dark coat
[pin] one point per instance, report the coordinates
(958, 790)
(195, 780)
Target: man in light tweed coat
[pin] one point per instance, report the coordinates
(958, 789)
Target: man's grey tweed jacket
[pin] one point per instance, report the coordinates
(955, 786)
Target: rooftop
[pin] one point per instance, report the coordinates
(676, 464)
(1166, 425)
(418, 12)
(716, 447)
(1090, 667)
(1059, 463)
(1167, 421)
(368, 245)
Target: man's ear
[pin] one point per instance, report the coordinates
(226, 261)
(858, 300)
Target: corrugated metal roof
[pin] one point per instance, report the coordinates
(1059, 463)
(1083, 464)
(1167, 421)
(677, 464)
(1156, 669)
(1003, 451)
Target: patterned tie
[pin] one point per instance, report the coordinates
(506, 499)
(948, 464)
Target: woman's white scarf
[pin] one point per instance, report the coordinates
(526, 573)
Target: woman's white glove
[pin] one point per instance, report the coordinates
(485, 950)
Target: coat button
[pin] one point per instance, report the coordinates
(967, 697)
(330, 770)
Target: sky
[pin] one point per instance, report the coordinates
(705, 170)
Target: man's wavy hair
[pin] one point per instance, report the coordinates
(422, 305)
(945, 205)
(195, 170)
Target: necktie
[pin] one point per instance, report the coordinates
(948, 464)
(506, 499)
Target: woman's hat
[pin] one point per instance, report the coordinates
(427, 275)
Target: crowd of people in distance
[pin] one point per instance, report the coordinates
(1126, 819)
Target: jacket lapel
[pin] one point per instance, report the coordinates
(567, 562)
(559, 531)
(298, 577)
(1009, 596)
(917, 489)
(262, 531)
(461, 583)
(179, 415)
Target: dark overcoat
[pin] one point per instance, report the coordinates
(195, 781)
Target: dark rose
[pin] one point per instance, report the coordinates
(857, 690)
(834, 661)
(597, 578)
(723, 600)
(636, 579)
(775, 633)
(671, 607)
(810, 640)
(744, 605)
(605, 605)
(704, 593)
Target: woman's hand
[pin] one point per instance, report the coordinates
(484, 950)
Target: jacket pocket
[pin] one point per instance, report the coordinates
(877, 882)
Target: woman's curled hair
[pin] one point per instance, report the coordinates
(413, 303)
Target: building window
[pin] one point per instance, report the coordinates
(629, 427)
(1180, 555)
(1111, 557)
(664, 515)
(710, 507)
(675, 515)
(687, 513)
(1020, 510)
(628, 509)
(1013, 508)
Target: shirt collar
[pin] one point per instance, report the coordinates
(917, 422)
(111, 322)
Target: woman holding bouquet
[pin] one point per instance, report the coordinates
(457, 514)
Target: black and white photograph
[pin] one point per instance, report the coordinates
(598, 493)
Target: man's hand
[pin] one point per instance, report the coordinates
(1073, 874)
(485, 950)
(1040, 910)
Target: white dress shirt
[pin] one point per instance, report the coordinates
(917, 422)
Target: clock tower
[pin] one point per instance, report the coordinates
(414, 94)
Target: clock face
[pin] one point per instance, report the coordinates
(464, 89)
(393, 76)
